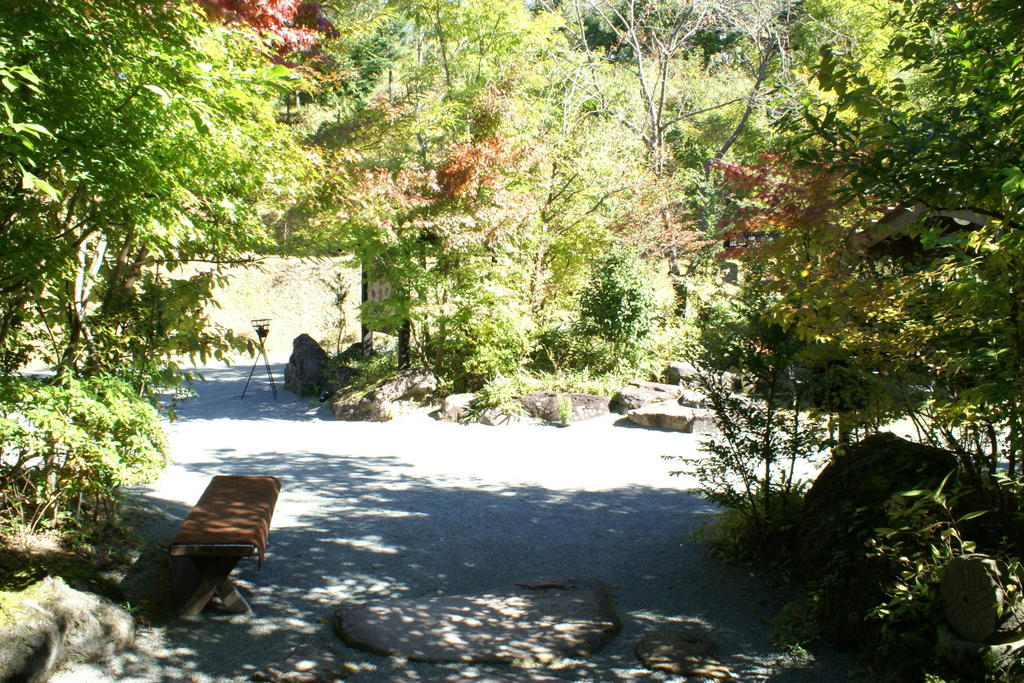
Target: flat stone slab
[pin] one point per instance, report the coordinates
(681, 654)
(671, 415)
(639, 394)
(539, 621)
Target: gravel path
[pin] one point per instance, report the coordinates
(415, 508)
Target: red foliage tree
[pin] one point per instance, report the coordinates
(778, 200)
(291, 25)
(472, 166)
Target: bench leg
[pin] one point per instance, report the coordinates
(195, 580)
(231, 598)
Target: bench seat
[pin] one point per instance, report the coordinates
(230, 521)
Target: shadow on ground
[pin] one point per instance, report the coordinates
(222, 390)
(357, 529)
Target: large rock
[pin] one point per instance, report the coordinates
(53, 625)
(688, 375)
(388, 400)
(680, 654)
(364, 409)
(538, 621)
(640, 394)
(694, 399)
(670, 415)
(842, 509)
(409, 385)
(680, 373)
(564, 408)
(735, 383)
(704, 421)
(455, 408)
(304, 374)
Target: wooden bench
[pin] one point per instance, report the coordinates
(230, 521)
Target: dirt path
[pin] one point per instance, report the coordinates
(416, 507)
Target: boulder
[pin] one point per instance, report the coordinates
(303, 376)
(735, 383)
(640, 394)
(564, 408)
(704, 421)
(694, 399)
(53, 625)
(390, 399)
(531, 621)
(680, 654)
(454, 408)
(680, 373)
(364, 409)
(842, 509)
(666, 415)
(409, 385)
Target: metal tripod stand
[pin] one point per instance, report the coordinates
(262, 327)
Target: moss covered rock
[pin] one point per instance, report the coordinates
(49, 624)
(845, 505)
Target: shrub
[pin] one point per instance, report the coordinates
(564, 350)
(67, 446)
(618, 304)
(488, 337)
(751, 469)
(751, 465)
(501, 392)
(874, 552)
(733, 537)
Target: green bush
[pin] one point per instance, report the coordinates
(927, 529)
(618, 304)
(734, 537)
(876, 585)
(489, 337)
(501, 392)
(563, 349)
(750, 466)
(68, 445)
(369, 371)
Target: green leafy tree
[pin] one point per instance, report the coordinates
(161, 144)
(936, 139)
(139, 137)
(766, 436)
(457, 204)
